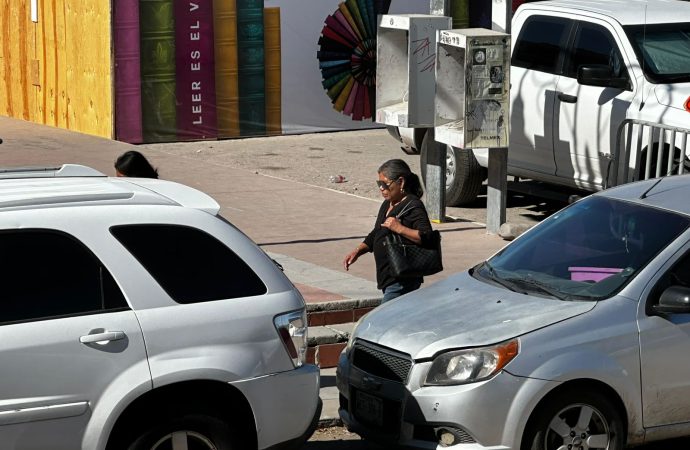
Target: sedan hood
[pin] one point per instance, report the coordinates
(459, 312)
(673, 95)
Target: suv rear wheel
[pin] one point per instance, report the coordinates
(190, 432)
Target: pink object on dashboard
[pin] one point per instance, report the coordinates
(595, 274)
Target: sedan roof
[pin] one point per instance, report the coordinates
(670, 193)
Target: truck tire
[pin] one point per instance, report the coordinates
(675, 165)
(464, 175)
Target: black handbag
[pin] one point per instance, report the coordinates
(410, 260)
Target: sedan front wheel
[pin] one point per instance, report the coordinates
(576, 421)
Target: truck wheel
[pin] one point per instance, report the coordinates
(199, 432)
(578, 419)
(464, 175)
(675, 165)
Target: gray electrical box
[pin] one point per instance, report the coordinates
(472, 93)
(405, 62)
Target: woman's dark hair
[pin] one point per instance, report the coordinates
(134, 164)
(397, 168)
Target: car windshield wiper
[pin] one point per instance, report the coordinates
(543, 287)
(496, 279)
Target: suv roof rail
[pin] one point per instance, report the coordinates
(66, 170)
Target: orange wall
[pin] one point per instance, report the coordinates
(57, 71)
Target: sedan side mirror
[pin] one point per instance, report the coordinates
(674, 300)
(600, 75)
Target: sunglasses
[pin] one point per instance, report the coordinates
(383, 185)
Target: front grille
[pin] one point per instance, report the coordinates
(381, 362)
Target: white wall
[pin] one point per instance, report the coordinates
(305, 105)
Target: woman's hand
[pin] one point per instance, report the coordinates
(351, 258)
(394, 225)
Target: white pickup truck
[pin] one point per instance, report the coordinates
(596, 87)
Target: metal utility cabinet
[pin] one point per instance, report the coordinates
(472, 88)
(405, 69)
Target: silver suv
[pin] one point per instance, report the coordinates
(133, 316)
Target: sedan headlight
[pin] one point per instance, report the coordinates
(471, 365)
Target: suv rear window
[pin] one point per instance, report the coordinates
(189, 264)
(48, 274)
(540, 43)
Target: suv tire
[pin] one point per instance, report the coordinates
(200, 431)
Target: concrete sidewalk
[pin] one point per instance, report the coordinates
(307, 229)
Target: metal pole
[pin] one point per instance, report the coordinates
(497, 184)
(439, 7)
(496, 189)
(501, 14)
(435, 152)
(435, 178)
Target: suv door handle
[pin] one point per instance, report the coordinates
(102, 337)
(567, 98)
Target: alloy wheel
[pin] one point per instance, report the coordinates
(577, 427)
(184, 440)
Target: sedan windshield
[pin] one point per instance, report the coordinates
(663, 51)
(587, 251)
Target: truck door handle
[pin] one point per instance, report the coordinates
(567, 98)
(106, 336)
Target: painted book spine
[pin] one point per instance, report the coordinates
(460, 12)
(128, 126)
(227, 90)
(195, 70)
(158, 102)
(272, 56)
(251, 70)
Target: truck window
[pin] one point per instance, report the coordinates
(540, 43)
(663, 51)
(594, 44)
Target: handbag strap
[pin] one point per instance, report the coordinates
(408, 207)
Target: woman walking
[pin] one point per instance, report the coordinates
(402, 212)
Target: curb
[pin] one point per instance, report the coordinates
(342, 305)
(328, 422)
(330, 326)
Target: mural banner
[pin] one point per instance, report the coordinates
(207, 69)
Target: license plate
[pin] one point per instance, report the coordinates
(369, 408)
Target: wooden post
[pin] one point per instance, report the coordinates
(496, 189)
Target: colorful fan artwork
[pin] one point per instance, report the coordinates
(347, 56)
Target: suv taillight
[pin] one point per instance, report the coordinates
(292, 329)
